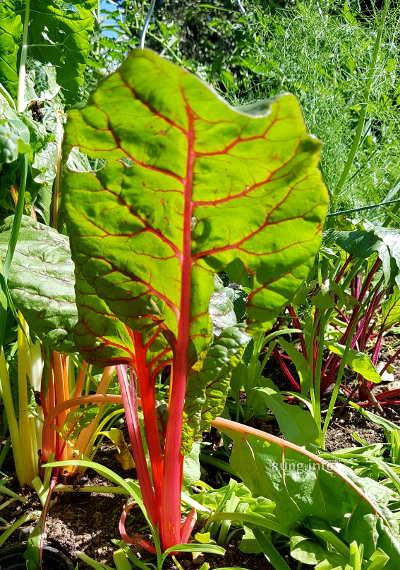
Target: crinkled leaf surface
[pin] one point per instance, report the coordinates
(189, 185)
(42, 280)
(222, 310)
(209, 382)
(58, 34)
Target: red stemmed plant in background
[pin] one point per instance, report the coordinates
(353, 311)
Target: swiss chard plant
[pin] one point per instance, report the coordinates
(343, 321)
(181, 187)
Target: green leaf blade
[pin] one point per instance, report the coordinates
(41, 281)
(181, 166)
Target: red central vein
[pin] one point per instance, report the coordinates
(170, 508)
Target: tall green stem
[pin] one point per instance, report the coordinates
(361, 120)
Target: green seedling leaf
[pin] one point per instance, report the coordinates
(41, 281)
(310, 551)
(92, 563)
(209, 548)
(59, 33)
(203, 537)
(357, 361)
(384, 423)
(378, 560)
(129, 486)
(32, 516)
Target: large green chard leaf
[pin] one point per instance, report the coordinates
(59, 33)
(189, 185)
(41, 282)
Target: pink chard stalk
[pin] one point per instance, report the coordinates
(182, 187)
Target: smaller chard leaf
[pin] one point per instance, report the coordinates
(41, 82)
(208, 383)
(358, 361)
(44, 171)
(191, 466)
(363, 243)
(389, 252)
(41, 282)
(8, 145)
(14, 139)
(358, 243)
(391, 309)
(296, 424)
(10, 41)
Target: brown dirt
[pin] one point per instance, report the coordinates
(347, 421)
